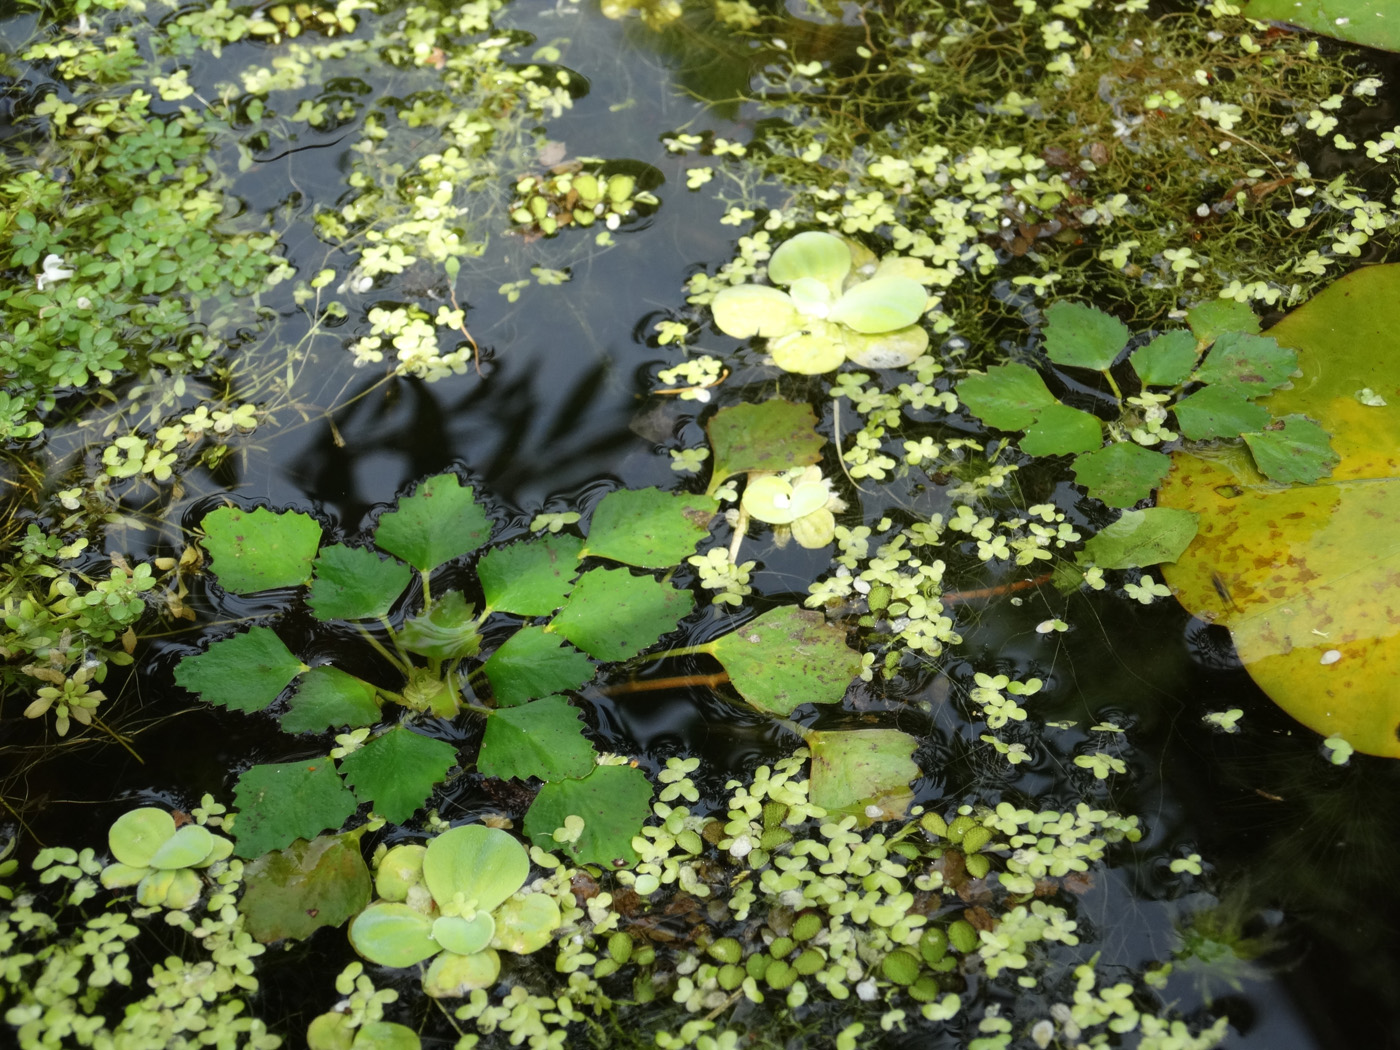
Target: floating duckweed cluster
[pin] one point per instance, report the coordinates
(574, 197)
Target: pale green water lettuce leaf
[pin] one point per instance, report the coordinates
(881, 304)
(821, 256)
(747, 310)
(393, 934)
(476, 865)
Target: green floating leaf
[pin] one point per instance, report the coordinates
(1218, 411)
(543, 739)
(1142, 537)
(1121, 474)
(881, 304)
(285, 801)
(1082, 336)
(353, 583)
(1007, 397)
(290, 894)
(259, 549)
(786, 657)
(397, 771)
(768, 435)
(1212, 319)
(530, 578)
(613, 615)
(244, 673)
(137, 834)
(612, 801)
(475, 863)
(447, 631)
(1373, 23)
(649, 528)
(1252, 364)
(532, 663)
(1061, 431)
(439, 522)
(818, 255)
(747, 310)
(861, 770)
(393, 934)
(1294, 449)
(1167, 360)
(328, 698)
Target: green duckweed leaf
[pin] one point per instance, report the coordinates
(1216, 411)
(881, 304)
(256, 550)
(1167, 360)
(447, 631)
(1007, 397)
(393, 934)
(856, 769)
(786, 657)
(281, 802)
(613, 615)
(1212, 319)
(397, 771)
(476, 864)
(244, 673)
(1121, 474)
(1293, 449)
(439, 522)
(532, 663)
(1082, 336)
(613, 802)
(326, 698)
(1061, 431)
(768, 435)
(747, 310)
(289, 894)
(1251, 364)
(1305, 576)
(542, 739)
(1142, 537)
(135, 836)
(1373, 23)
(530, 578)
(354, 583)
(822, 256)
(648, 528)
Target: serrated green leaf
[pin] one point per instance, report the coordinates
(1083, 336)
(786, 657)
(256, 550)
(767, 435)
(354, 583)
(1218, 411)
(326, 698)
(612, 801)
(649, 528)
(855, 769)
(532, 663)
(613, 615)
(397, 771)
(1061, 431)
(1142, 537)
(1007, 397)
(530, 578)
(1167, 360)
(1293, 449)
(439, 522)
(285, 801)
(1121, 474)
(290, 894)
(1213, 318)
(244, 673)
(447, 631)
(543, 739)
(1252, 364)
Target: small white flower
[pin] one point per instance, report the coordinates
(53, 272)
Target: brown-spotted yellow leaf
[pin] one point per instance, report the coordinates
(1307, 577)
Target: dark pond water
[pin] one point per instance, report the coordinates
(1302, 855)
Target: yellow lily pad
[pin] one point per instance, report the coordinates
(1307, 578)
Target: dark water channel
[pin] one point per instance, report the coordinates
(1302, 856)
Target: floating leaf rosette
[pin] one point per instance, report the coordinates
(841, 304)
(159, 858)
(796, 501)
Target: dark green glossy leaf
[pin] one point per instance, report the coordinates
(1167, 360)
(447, 631)
(285, 801)
(1294, 449)
(612, 801)
(1061, 431)
(1212, 319)
(530, 578)
(1142, 537)
(1252, 364)
(290, 894)
(543, 739)
(1083, 336)
(613, 615)
(328, 698)
(397, 771)
(649, 528)
(256, 550)
(1121, 474)
(786, 657)
(244, 673)
(439, 522)
(1218, 411)
(1007, 397)
(354, 583)
(767, 435)
(532, 663)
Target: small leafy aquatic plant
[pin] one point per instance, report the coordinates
(799, 502)
(162, 860)
(458, 902)
(841, 304)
